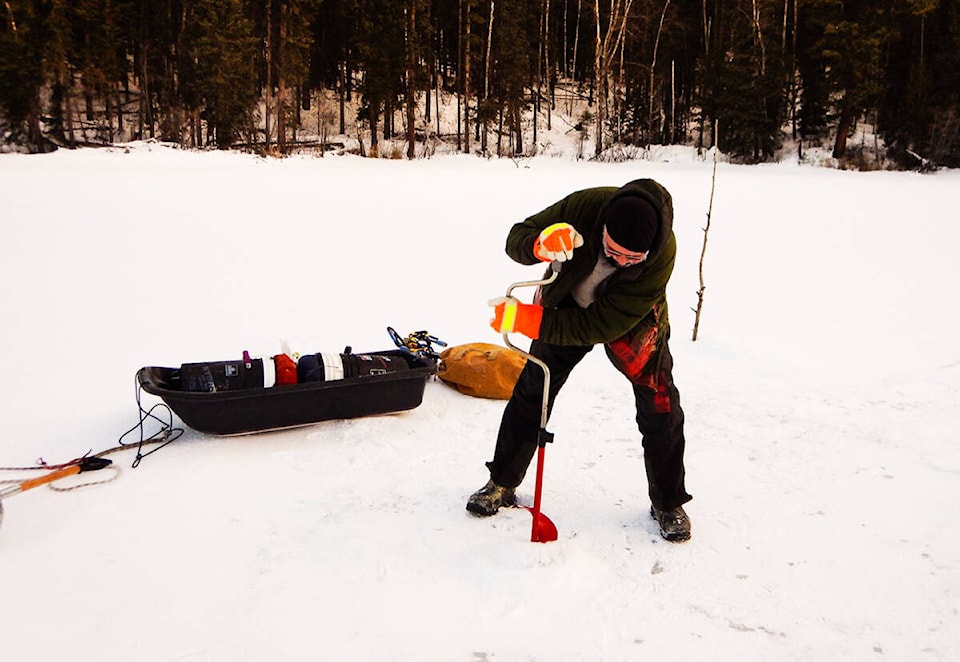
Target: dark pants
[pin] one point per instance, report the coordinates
(659, 419)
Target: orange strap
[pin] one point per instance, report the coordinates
(49, 478)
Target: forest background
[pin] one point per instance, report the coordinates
(746, 76)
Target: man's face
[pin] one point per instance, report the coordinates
(620, 256)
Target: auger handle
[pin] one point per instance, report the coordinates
(555, 268)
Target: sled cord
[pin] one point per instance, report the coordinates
(165, 435)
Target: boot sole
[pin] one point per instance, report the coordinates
(479, 511)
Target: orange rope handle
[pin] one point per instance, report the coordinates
(49, 478)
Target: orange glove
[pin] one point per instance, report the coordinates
(556, 243)
(512, 316)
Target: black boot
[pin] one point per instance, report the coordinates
(674, 524)
(487, 500)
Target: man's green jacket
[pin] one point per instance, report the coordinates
(632, 301)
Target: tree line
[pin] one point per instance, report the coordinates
(744, 75)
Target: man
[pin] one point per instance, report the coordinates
(617, 250)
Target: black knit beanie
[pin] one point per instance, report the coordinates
(632, 222)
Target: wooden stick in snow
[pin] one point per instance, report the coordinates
(703, 251)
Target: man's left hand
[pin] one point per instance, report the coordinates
(513, 316)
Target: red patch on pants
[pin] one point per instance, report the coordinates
(633, 353)
(661, 399)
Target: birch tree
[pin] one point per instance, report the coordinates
(607, 43)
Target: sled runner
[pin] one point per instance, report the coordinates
(229, 397)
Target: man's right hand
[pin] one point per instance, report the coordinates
(556, 243)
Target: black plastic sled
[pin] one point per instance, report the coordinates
(244, 410)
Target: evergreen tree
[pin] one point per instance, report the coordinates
(812, 65)
(382, 58)
(515, 56)
(848, 39)
(23, 41)
(287, 42)
(218, 39)
(98, 54)
(57, 60)
(334, 51)
(943, 133)
(744, 79)
(918, 115)
(417, 48)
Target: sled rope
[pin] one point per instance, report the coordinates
(115, 473)
(165, 435)
(42, 465)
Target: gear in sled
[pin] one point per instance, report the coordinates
(266, 393)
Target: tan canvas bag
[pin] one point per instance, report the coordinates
(481, 369)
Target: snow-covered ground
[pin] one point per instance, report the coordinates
(821, 401)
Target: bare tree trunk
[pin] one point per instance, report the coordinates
(546, 59)
(673, 102)
(324, 119)
(843, 128)
(411, 99)
(428, 94)
(598, 78)
(653, 69)
(388, 119)
(486, 76)
(68, 107)
(459, 84)
(783, 34)
(466, 80)
(342, 93)
(537, 90)
(518, 128)
(268, 92)
(34, 129)
(606, 50)
(617, 99)
(707, 32)
(10, 16)
(374, 121)
(118, 100)
(108, 114)
(706, 28)
(758, 35)
(576, 37)
(500, 134)
(282, 104)
(145, 116)
(793, 70)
